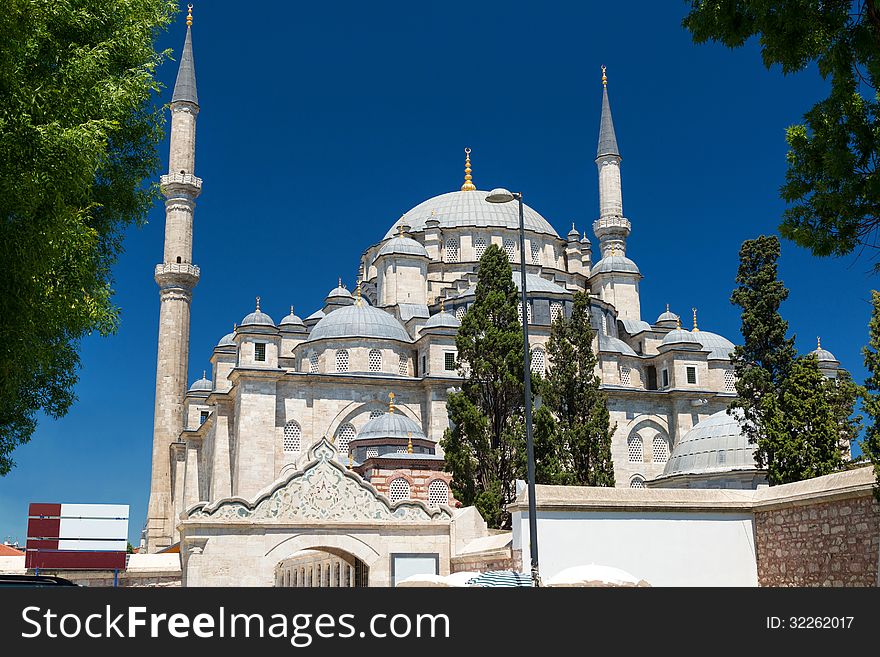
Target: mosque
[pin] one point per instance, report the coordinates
(342, 411)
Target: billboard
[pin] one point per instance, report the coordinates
(77, 536)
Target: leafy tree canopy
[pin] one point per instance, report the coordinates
(78, 137)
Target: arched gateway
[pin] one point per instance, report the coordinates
(317, 526)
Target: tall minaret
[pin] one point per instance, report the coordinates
(176, 277)
(611, 227)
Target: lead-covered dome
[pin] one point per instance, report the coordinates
(719, 347)
(615, 264)
(202, 385)
(470, 209)
(359, 321)
(680, 336)
(442, 319)
(402, 245)
(716, 444)
(391, 425)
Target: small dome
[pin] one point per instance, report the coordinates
(402, 245)
(716, 444)
(291, 321)
(615, 264)
(338, 292)
(442, 319)
(680, 336)
(573, 235)
(824, 356)
(391, 425)
(668, 316)
(359, 321)
(227, 340)
(615, 345)
(257, 318)
(202, 385)
(719, 347)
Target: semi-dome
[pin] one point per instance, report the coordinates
(291, 321)
(359, 321)
(402, 245)
(202, 385)
(257, 318)
(470, 209)
(716, 444)
(719, 347)
(442, 319)
(391, 425)
(615, 345)
(680, 336)
(615, 264)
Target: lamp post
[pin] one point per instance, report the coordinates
(501, 195)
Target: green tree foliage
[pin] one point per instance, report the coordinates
(832, 184)
(871, 398)
(483, 449)
(78, 136)
(801, 421)
(573, 427)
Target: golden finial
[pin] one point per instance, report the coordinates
(409, 449)
(391, 402)
(234, 326)
(258, 304)
(442, 305)
(695, 319)
(350, 461)
(358, 293)
(468, 181)
(189, 15)
(678, 323)
(604, 77)
(400, 230)
(818, 343)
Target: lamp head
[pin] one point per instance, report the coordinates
(500, 195)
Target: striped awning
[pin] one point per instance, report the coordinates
(501, 578)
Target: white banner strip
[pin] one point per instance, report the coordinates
(94, 511)
(106, 528)
(104, 546)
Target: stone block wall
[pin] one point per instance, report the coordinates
(833, 543)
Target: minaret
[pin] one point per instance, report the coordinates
(176, 277)
(611, 227)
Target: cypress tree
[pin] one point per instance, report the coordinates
(871, 396)
(575, 429)
(484, 445)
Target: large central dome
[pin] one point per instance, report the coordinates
(470, 208)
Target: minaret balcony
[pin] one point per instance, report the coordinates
(177, 274)
(612, 224)
(173, 184)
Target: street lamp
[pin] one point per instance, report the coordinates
(501, 195)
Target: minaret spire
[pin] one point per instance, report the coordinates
(176, 277)
(607, 138)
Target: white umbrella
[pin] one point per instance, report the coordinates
(501, 578)
(424, 580)
(461, 579)
(594, 575)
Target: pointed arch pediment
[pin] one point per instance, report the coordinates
(322, 491)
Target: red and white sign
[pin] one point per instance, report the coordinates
(77, 536)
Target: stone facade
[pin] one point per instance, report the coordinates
(834, 543)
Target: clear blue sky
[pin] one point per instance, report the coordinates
(322, 123)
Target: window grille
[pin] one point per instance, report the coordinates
(637, 482)
(375, 360)
(449, 361)
(313, 363)
(403, 366)
(510, 249)
(452, 250)
(536, 254)
(538, 361)
(344, 435)
(459, 313)
(372, 453)
(660, 449)
(691, 375)
(260, 351)
(555, 311)
(480, 247)
(203, 416)
(624, 376)
(438, 493)
(342, 360)
(729, 381)
(375, 414)
(634, 446)
(398, 490)
(292, 437)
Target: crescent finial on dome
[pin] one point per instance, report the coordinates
(468, 185)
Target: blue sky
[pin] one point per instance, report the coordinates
(322, 123)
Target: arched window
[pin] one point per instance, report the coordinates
(313, 363)
(374, 414)
(342, 360)
(637, 482)
(344, 435)
(479, 246)
(538, 361)
(438, 493)
(459, 313)
(398, 490)
(660, 450)
(729, 381)
(536, 253)
(452, 249)
(375, 360)
(510, 249)
(555, 311)
(624, 375)
(372, 452)
(403, 366)
(292, 437)
(634, 447)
